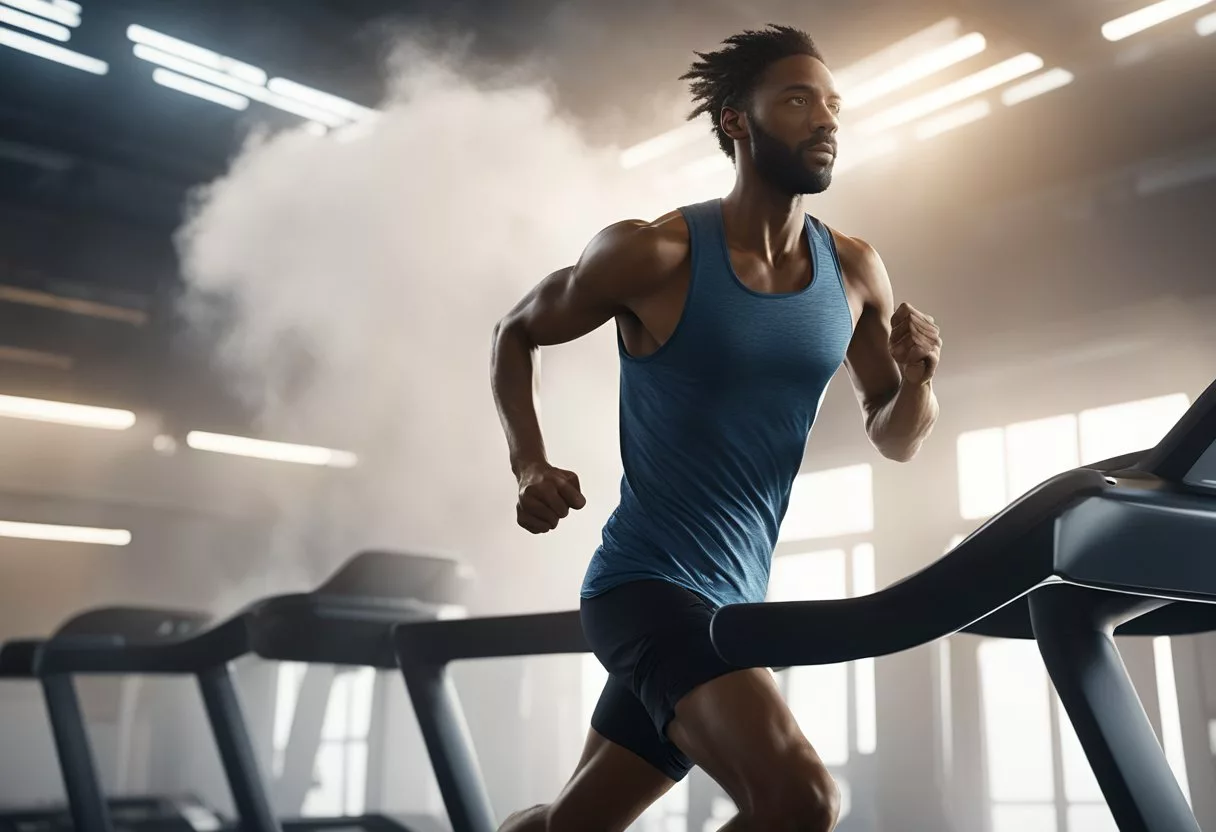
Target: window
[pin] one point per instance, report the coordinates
(340, 767)
(1028, 737)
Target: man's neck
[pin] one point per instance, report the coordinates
(760, 219)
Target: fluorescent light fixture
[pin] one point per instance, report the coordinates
(663, 144)
(953, 119)
(915, 69)
(1148, 17)
(262, 449)
(237, 85)
(65, 413)
(66, 4)
(191, 86)
(856, 152)
(197, 54)
(37, 25)
(50, 11)
(717, 163)
(33, 46)
(323, 100)
(1206, 25)
(65, 534)
(952, 93)
(1044, 82)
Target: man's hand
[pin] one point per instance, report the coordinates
(916, 344)
(546, 495)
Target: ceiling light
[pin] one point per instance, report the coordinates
(1148, 17)
(952, 119)
(192, 86)
(46, 28)
(237, 85)
(952, 93)
(663, 144)
(51, 11)
(1045, 82)
(263, 449)
(915, 69)
(65, 413)
(1206, 25)
(65, 534)
(33, 46)
(316, 98)
(197, 54)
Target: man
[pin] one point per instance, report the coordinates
(732, 316)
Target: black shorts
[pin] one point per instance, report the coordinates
(653, 638)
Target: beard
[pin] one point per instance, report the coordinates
(784, 168)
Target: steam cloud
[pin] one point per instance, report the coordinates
(364, 274)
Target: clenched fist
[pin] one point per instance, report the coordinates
(546, 495)
(916, 344)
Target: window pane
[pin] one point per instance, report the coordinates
(1038, 450)
(1023, 819)
(981, 473)
(867, 706)
(813, 576)
(1133, 426)
(337, 711)
(819, 699)
(286, 694)
(362, 692)
(325, 798)
(356, 778)
(830, 503)
(594, 678)
(1017, 722)
(1171, 719)
(863, 569)
(1095, 818)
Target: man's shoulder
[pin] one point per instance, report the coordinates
(859, 261)
(642, 250)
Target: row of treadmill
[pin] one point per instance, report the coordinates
(1122, 547)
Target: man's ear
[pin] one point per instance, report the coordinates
(734, 123)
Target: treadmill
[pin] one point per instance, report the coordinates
(385, 586)
(19, 659)
(1121, 547)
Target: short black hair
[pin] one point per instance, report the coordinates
(729, 76)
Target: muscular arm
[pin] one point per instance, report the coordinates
(619, 266)
(899, 414)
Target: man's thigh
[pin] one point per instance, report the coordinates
(740, 730)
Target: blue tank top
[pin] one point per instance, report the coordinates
(714, 423)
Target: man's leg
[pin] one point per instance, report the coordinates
(609, 790)
(615, 781)
(739, 729)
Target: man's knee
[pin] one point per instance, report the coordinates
(802, 797)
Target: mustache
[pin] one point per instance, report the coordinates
(822, 138)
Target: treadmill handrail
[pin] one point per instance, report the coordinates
(975, 578)
(536, 634)
(1177, 453)
(189, 655)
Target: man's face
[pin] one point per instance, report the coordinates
(793, 119)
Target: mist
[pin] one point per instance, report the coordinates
(361, 275)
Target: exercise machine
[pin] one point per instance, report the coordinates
(19, 660)
(1119, 547)
(382, 587)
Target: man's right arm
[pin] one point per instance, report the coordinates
(623, 263)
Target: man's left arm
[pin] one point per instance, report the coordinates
(891, 359)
